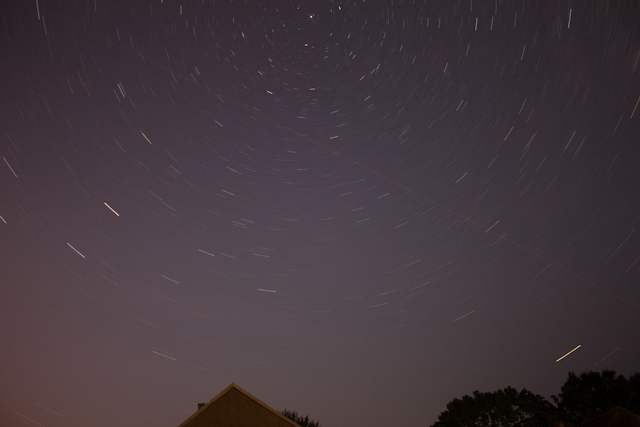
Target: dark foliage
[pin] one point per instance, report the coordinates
(501, 408)
(590, 394)
(582, 397)
(298, 419)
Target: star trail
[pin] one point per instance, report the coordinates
(357, 210)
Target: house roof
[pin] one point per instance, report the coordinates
(617, 417)
(230, 388)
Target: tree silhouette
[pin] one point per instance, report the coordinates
(501, 408)
(298, 419)
(593, 393)
(582, 397)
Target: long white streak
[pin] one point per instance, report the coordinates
(170, 279)
(78, 252)
(266, 290)
(191, 339)
(378, 305)
(50, 410)
(160, 354)
(150, 324)
(3, 219)
(14, 174)
(463, 316)
(38, 8)
(602, 360)
(487, 230)
(26, 418)
(117, 214)
(205, 252)
(199, 367)
(569, 353)
(569, 24)
(108, 280)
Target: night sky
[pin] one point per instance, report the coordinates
(357, 210)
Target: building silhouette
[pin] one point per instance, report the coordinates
(617, 417)
(235, 407)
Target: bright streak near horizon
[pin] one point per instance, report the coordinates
(569, 353)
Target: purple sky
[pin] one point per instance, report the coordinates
(357, 210)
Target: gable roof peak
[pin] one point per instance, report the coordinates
(203, 407)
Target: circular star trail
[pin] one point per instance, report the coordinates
(355, 210)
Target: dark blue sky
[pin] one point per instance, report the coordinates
(355, 210)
